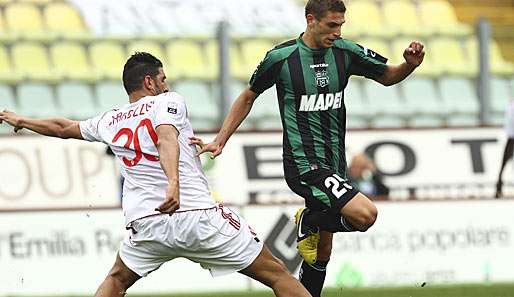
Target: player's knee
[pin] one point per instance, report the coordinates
(367, 218)
(122, 278)
(324, 251)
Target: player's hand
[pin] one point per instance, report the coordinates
(214, 147)
(414, 54)
(172, 201)
(11, 118)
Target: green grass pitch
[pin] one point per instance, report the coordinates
(493, 290)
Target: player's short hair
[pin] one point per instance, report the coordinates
(139, 65)
(319, 8)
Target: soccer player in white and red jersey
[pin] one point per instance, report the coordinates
(168, 208)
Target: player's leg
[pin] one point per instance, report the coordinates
(119, 279)
(360, 212)
(271, 272)
(312, 276)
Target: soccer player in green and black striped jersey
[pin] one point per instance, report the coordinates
(310, 74)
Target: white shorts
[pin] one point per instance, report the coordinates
(218, 239)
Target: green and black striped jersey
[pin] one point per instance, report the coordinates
(310, 84)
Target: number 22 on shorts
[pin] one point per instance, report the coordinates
(338, 185)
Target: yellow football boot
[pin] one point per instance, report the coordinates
(307, 243)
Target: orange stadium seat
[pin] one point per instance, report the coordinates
(70, 60)
(108, 58)
(30, 59)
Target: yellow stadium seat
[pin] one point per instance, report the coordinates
(63, 18)
(236, 64)
(402, 17)
(7, 74)
(253, 51)
(24, 18)
(364, 17)
(70, 60)
(448, 54)
(440, 16)
(108, 59)
(186, 60)
(36, 1)
(146, 46)
(498, 64)
(31, 60)
(427, 68)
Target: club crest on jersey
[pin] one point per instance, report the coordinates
(172, 107)
(321, 74)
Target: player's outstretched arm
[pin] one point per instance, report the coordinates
(169, 152)
(237, 114)
(413, 55)
(55, 127)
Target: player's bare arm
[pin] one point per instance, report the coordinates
(413, 55)
(54, 127)
(237, 114)
(169, 152)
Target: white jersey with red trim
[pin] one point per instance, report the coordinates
(131, 134)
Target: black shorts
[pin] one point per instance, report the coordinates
(323, 189)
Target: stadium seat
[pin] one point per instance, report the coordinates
(253, 52)
(36, 100)
(108, 59)
(355, 101)
(427, 68)
(385, 100)
(387, 121)
(202, 109)
(440, 16)
(236, 64)
(147, 46)
(265, 113)
(70, 60)
(7, 74)
(62, 18)
(7, 98)
(460, 99)
(448, 54)
(426, 121)
(402, 17)
(186, 61)
(76, 101)
(500, 94)
(498, 64)
(422, 98)
(30, 59)
(110, 95)
(356, 122)
(24, 18)
(364, 17)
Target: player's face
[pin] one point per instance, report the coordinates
(327, 29)
(159, 83)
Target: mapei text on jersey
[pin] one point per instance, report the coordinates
(317, 102)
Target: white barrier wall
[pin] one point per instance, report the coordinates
(412, 242)
(39, 172)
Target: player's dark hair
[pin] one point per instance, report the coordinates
(139, 65)
(319, 8)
